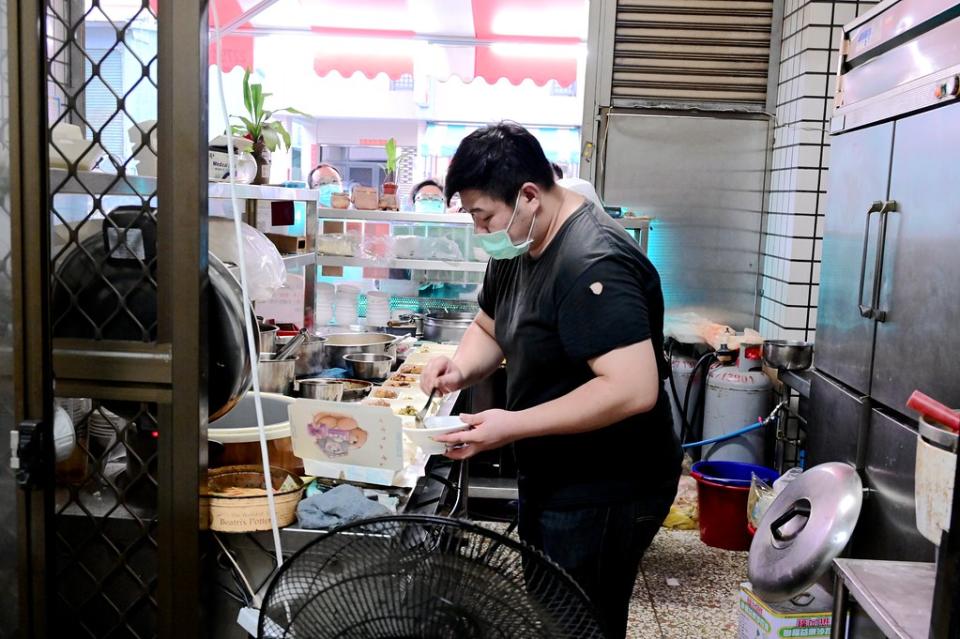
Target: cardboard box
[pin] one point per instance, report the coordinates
(808, 615)
(288, 244)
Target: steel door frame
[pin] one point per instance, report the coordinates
(180, 351)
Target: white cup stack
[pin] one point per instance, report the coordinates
(323, 312)
(378, 308)
(345, 311)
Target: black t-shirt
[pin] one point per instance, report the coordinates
(591, 291)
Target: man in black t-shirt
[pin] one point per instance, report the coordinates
(576, 309)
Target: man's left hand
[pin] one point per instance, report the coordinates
(490, 429)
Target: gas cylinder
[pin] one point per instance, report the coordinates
(738, 394)
(682, 369)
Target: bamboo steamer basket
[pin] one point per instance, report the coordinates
(247, 513)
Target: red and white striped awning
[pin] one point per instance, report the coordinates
(540, 40)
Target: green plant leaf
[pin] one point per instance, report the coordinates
(391, 149)
(279, 128)
(291, 110)
(257, 93)
(247, 98)
(252, 128)
(270, 138)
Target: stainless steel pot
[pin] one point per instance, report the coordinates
(99, 272)
(369, 366)
(276, 375)
(268, 338)
(446, 326)
(310, 357)
(340, 344)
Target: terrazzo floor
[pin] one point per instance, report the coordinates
(700, 598)
(685, 590)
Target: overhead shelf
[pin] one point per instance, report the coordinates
(97, 183)
(423, 265)
(400, 217)
(299, 259)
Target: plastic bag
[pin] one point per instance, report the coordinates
(784, 480)
(758, 500)
(684, 512)
(266, 272)
(377, 247)
(441, 248)
(341, 244)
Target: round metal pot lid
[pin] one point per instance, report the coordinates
(803, 530)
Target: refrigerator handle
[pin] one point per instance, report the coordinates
(890, 206)
(867, 311)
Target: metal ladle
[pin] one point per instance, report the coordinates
(291, 346)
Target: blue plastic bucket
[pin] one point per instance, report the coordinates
(731, 473)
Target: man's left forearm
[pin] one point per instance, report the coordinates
(598, 403)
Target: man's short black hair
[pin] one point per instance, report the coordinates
(420, 185)
(557, 171)
(497, 160)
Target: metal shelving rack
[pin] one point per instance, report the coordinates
(399, 217)
(639, 227)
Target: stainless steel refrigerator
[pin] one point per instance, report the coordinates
(890, 276)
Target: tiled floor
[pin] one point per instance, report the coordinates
(702, 601)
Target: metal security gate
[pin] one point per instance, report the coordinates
(109, 533)
(711, 52)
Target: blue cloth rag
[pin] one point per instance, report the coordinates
(340, 505)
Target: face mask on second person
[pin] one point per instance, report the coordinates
(326, 193)
(429, 204)
(498, 243)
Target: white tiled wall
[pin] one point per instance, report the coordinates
(799, 165)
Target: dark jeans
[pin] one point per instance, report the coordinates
(600, 547)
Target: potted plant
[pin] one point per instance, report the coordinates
(265, 135)
(390, 179)
(388, 199)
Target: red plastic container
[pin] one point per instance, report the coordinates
(723, 515)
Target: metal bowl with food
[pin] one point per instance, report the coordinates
(330, 390)
(368, 366)
(353, 389)
(338, 345)
(788, 355)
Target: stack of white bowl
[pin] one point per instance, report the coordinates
(378, 308)
(105, 428)
(323, 312)
(345, 310)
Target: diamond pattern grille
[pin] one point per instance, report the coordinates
(102, 72)
(9, 595)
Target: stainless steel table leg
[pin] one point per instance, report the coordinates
(783, 418)
(838, 626)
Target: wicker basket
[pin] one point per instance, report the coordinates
(226, 513)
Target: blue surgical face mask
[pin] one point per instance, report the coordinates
(326, 193)
(429, 205)
(498, 244)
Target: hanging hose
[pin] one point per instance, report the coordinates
(737, 433)
(684, 426)
(248, 323)
(684, 410)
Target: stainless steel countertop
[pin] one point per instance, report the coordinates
(896, 595)
(798, 381)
